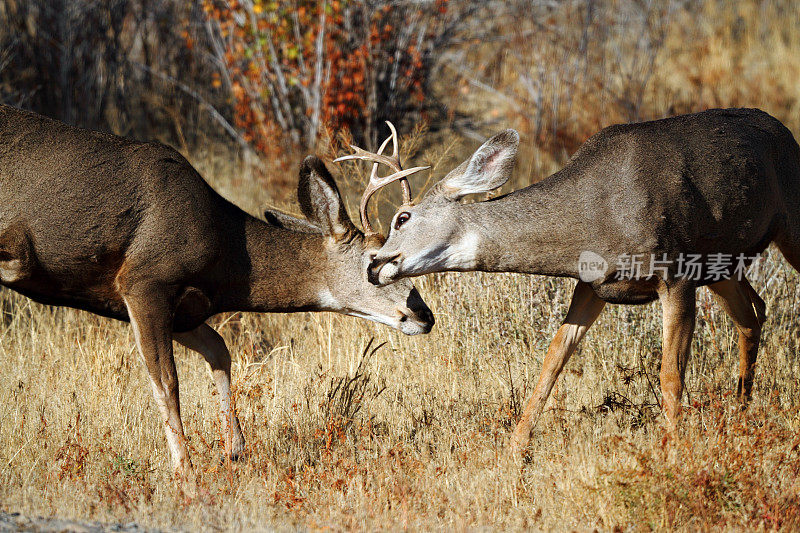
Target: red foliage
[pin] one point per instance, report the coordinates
(296, 67)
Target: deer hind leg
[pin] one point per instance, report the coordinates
(747, 310)
(583, 311)
(151, 319)
(208, 343)
(678, 306)
(759, 306)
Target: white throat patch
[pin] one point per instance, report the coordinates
(459, 255)
(327, 301)
(463, 255)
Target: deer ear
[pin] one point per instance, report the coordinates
(488, 168)
(320, 200)
(279, 219)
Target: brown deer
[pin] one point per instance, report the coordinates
(129, 230)
(721, 184)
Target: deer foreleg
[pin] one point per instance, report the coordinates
(208, 343)
(746, 309)
(151, 319)
(583, 311)
(678, 306)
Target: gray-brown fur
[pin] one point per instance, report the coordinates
(130, 230)
(721, 181)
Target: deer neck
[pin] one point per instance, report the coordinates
(272, 270)
(537, 230)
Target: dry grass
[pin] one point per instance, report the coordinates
(346, 432)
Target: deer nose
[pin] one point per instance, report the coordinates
(421, 310)
(426, 317)
(374, 268)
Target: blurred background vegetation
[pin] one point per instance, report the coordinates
(267, 81)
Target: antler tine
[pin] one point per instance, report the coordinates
(395, 150)
(376, 182)
(372, 186)
(391, 162)
(396, 155)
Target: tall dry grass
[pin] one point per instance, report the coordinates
(353, 426)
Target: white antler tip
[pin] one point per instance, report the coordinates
(393, 137)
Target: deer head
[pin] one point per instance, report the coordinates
(429, 237)
(340, 276)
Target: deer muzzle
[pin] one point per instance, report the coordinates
(418, 313)
(383, 270)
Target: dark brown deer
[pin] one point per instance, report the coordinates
(130, 230)
(712, 186)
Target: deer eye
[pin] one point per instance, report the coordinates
(401, 219)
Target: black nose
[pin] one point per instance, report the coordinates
(421, 309)
(372, 272)
(427, 316)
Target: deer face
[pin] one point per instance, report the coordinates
(423, 238)
(350, 292)
(434, 236)
(340, 278)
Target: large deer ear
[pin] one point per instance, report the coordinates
(320, 200)
(489, 168)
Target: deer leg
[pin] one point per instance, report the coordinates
(759, 306)
(678, 306)
(151, 319)
(737, 298)
(583, 311)
(208, 343)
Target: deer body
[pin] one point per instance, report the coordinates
(140, 208)
(131, 231)
(716, 182)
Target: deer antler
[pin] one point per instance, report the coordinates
(375, 181)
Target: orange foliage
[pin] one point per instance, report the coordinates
(295, 68)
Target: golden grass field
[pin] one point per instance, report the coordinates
(351, 425)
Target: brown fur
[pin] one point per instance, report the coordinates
(130, 230)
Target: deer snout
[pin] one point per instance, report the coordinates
(427, 320)
(376, 267)
(418, 312)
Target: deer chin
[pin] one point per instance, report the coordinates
(406, 324)
(413, 327)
